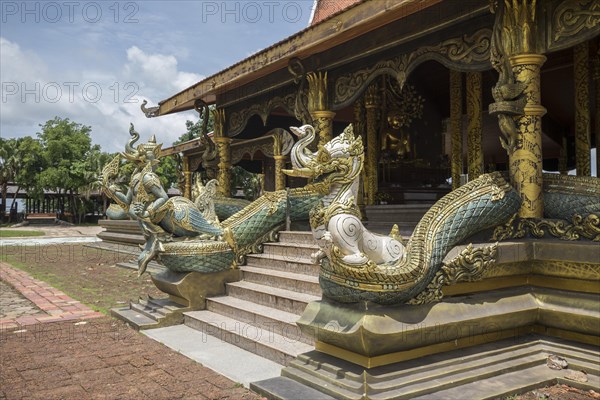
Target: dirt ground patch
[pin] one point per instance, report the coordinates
(558, 392)
(102, 359)
(86, 274)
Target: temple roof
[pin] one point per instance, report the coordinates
(335, 27)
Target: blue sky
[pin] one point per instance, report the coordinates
(95, 61)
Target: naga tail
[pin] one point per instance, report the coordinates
(483, 203)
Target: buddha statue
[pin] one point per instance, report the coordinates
(395, 140)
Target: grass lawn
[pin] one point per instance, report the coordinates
(86, 274)
(15, 233)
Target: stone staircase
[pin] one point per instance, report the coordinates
(259, 312)
(381, 218)
(150, 313)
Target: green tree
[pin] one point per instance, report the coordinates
(66, 147)
(194, 130)
(8, 166)
(30, 164)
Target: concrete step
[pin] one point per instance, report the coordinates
(157, 308)
(251, 337)
(495, 387)
(397, 213)
(281, 322)
(149, 312)
(281, 388)
(283, 280)
(136, 320)
(280, 299)
(290, 251)
(281, 263)
(303, 237)
(122, 238)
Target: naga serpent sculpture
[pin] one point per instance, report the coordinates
(357, 265)
(186, 239)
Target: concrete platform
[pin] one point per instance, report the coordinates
(235, 363)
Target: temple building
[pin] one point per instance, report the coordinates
(421, 81)
(486, 280)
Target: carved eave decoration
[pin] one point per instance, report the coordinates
(264, 144)
(470, 52)
(241, 113)
(571, 22)
(339, 28)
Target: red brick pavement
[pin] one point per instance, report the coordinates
(56, 305)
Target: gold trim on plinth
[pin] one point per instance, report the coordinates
(544, 281)
(392, 358)
(567, 335)
(529, 59)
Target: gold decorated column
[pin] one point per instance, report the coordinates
(563, 157)
(372, 104)
(474, 132)
(224, 148)
(596, 72)
(359, 131)
(279, 163)
(318, 106)
(581, 60)
(526, 161)
(515, 54)
(187, 175)
(456, 101)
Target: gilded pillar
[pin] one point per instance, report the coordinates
(187, 175)
(279, 175)
(563, 157)
(359, 131)
(581, 60)
(515, 55)
(456, 100)
(318, 106)
(372, 105)
(526, 160)
(279, 163)
(596, 64)
(224, 149)
(474, 131)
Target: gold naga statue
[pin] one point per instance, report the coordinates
(145, 200)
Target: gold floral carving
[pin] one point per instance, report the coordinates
(467, 51)
(573, 16)
(469, 266)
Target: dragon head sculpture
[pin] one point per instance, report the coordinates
(339, 161)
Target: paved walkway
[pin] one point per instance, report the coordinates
(13, 305)
(60, 231)
(53, 304)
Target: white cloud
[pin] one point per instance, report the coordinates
(106, 100)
